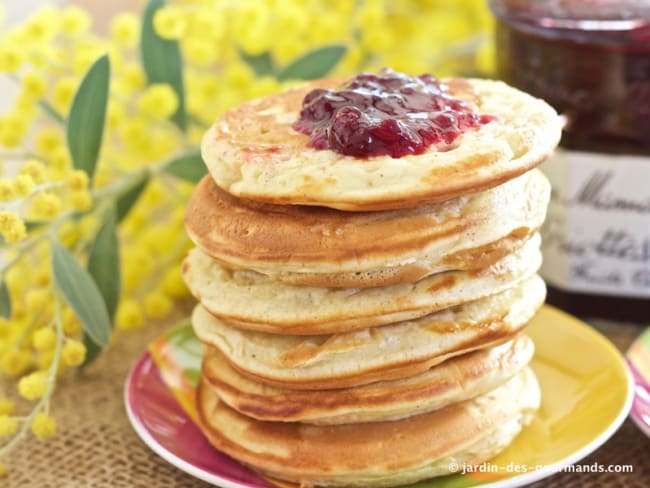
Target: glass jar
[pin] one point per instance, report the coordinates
(590, 59)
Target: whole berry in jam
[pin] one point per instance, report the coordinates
(385, 114)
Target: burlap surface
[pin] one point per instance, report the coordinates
(96, 446)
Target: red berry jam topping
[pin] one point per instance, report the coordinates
(386, 114)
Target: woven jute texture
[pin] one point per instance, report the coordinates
(96, 447)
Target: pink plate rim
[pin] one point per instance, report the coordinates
(146, 367)
(641, 402)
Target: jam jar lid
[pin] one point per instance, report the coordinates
(581, 18)
(569, 10)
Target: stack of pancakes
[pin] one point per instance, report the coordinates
(363, 318)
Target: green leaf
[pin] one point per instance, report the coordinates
(104, 267)
(104, 262)
(261, 64)
(314, 64)
(130, 197)
(161, 59)
(81, 293)
(189, 167)
(92, 351)
(87, 114)
(5, 300)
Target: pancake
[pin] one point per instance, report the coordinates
(318, 246)
(374, 454)
(369, 355)
(253, 301)
(452, 381)
(253, 152)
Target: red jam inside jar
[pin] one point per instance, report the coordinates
(388, 113)
(590, 59)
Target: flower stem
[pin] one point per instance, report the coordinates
(44, 402)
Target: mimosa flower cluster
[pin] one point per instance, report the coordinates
(99, 151)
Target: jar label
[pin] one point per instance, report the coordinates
(596, 238)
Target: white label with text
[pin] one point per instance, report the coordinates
(596, 238)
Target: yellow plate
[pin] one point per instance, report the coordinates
(587, 392)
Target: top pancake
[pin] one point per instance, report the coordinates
(253, 152)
